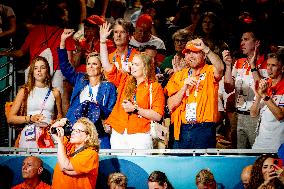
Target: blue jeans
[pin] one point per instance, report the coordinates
(196, 136)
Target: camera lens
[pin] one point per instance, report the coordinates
(67, 128)
(53, 130)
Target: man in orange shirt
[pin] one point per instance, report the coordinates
(193, 98)
(31, 170)
(123, 54)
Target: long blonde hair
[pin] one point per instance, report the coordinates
(91, 131)
(148, 72)
(30, 84)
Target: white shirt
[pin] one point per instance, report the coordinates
(85, 94)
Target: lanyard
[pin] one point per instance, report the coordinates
(197, 84)
(127, 56)
(45, 99)
(91, 92)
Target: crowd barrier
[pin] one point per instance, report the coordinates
(181, 166)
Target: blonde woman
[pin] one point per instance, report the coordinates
(39, 101)
(132, 113)
(78, 159)
(89, 89)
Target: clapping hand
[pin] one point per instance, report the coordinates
(262, 88)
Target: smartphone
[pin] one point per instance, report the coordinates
(278, 162)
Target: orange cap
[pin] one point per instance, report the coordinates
(190, 47)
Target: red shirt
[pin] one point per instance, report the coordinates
(35, 42)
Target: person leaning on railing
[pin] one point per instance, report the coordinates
(77, 155)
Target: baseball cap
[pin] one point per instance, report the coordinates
(145, 21)
(190, 47)
(95, 19)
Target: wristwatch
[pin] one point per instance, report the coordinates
(266, 98)
(253, 69)
(135, 109)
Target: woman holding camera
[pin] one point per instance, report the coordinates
(34, 106)
(78, 159)
(91, 97)
(132, 113)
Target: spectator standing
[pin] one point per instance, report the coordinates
(37, 117)
(78, 159)
(7, 25)
(132, 113)
(169, 66)
(245, 73)
(32, 169)
(90, 42)
(88, 87)
(143, 36)
(123, 55)
(190, 91)
(269, 104)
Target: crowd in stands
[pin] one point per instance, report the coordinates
(215, 70)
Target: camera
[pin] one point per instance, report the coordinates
(278, 162)
(67, 127)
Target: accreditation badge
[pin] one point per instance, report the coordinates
(190, 112)
(125, 66)
(30, 132)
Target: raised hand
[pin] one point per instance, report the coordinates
(66, 33)
(227, 58)
(175, 63)
(252, 61)
(105, 31)
(199, 44)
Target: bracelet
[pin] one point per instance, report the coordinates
(103, 42)
(26, 121)
(135, 109)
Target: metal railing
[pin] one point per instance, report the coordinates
(139, 152)
(7, 93)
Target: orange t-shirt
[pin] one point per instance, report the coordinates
(207, 97)
(86, 164)
(23, 185)
(119, 120)
(117, 60)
